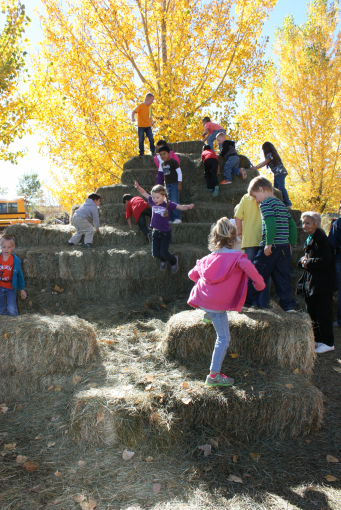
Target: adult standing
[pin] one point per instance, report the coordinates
(335, 238)
(318, 281)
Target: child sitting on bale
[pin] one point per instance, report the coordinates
(81, 220)
(137, 207)
(11, 277)
(221, 280)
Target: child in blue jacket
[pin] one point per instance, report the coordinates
(11, 277)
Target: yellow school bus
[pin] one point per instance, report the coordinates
(12, 209)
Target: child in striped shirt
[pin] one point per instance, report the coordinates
(278, 234)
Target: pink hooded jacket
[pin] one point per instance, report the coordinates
(221, 281)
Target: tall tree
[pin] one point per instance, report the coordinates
(30, 185)
(15, 107)
(100, 57)
(298, 107)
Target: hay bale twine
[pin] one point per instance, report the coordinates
(34, 348)
(266, 336)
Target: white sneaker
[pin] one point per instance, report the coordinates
(335, 324)
(317, 344)
(324, 348)
(290, 311)
(176, 221)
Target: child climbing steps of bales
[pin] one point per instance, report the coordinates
(11, 277)
(212, 168)
(137, 207)
(231, 158)
(171, 175)
(158, 161)
(221, 280)
(81, 221)
(162, 234)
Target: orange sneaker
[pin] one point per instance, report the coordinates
(226, 182)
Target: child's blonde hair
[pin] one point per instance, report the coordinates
(259, 182)
(223, 233)
(161, 190)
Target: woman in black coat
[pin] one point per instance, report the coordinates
(318, 281)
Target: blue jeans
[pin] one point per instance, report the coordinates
(276, 265)
(338, 276)
(8, 302)
(211, 138)
(174, 196)
(149, 133)
(221, 325)
(160, 246)
(231, 167)
(279, 183)
(264, 297)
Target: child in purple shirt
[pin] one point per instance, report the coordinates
(162, 234)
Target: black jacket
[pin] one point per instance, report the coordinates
(228, 149)
(319, 274)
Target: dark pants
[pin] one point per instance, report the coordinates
(276, 265)
(338, 276)
(211, 169)
(149, 134)
(161, 242)
(142, 221)
(279, 183)
(263, 300)
(320, 309)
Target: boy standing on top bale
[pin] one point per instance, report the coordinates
(212, 168)
(145, 123)
(173, 179)
(278, 233)
(11, 277)
(211, 131)
(137, 207)
(231, 158)
(81, 221)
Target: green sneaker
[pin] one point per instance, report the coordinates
(207, 319)
(219, 380)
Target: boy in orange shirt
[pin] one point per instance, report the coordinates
(11, 277)
(145, 123)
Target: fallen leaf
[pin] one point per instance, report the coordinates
(30, 303)
(127, 455)
(3, 453)
(233, 478)
(76, 378)
(331, 478)
(261, 372)
(19, 407)
(148, 387)
(57, 388)
(149, 459)
(154, 418)
(156, 486)
(30, 466)
(50, 387)
(337, 369)
(50, 444)
(38, 437)
(3, 410)
(57, 473)
(296, 371)
(5, 335)
(186, 400)
(185, 385)
(214, 443)
(10, 446)
(234, 355)
(255, 456)
(100, 416)
(207, 448)
(289, 386)
(35, 489)
(79, 498)
(58, 289)
(21, 459)
(150, 378)
(81, 463)
(307, 441)
(235, 459)
(330, 458)
(164, 306)
(135, 332)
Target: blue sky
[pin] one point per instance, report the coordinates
(34, 161)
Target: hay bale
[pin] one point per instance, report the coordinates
(259, 403)
(188, 147)
(34, 347)
(267, 336)
(42, 235)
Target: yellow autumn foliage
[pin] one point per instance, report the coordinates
(99, 58)
(297, 108)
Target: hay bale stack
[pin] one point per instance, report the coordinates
(266, 336)
(42, 235)
(273, 403)
(34, 348)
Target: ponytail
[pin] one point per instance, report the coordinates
(165, 214)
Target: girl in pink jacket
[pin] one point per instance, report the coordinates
(221, 280)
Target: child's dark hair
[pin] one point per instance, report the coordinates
(206, 147)
(94, 196)
(161, 142)
(161, 190)
(7, 237)
(127, 197)
(206, 119)
(269, 147)
(164, 148)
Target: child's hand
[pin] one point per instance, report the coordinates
(268, 250)
(136, 184)
(23, 294)
(190, 206)
(179, 186)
